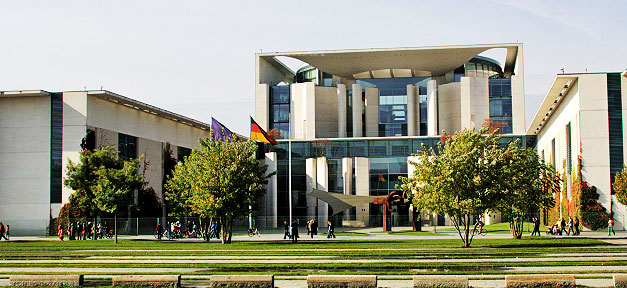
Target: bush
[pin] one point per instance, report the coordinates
(594, 215)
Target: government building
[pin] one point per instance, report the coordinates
(355, 116)
(41, 131)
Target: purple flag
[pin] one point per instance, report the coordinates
(219, 131)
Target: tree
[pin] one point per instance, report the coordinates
(114, 188)
(460, 180)
(620, 186)
(493, 126)
(221, 180)
(528, 187)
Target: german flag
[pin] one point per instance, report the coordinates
(258, 134)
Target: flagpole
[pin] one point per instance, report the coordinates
(289, 161)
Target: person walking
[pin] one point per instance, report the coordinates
(610, 227)
(576, 225)
(536, 227)
(159, 230)
(570, 226)
(294, 231)
(60, 228)
(331, 230)
(1, 231)
(286, 229)
(7, 235)
(314, 228)
(562, 226)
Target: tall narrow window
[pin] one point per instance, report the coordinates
(569, 150)
(56, 148)
(615, 124)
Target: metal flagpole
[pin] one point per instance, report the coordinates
(289, 161)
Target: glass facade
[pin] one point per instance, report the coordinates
(310, 74)
(501, 102)
(56, 148)
(384, 173)
(615, 117)
(127, 146)
(280, 110)
(393, 102)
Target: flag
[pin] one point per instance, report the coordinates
(219, 131)
(258, 134)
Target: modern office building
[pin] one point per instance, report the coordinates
(357, 115)
(582, 118)
(41, 130)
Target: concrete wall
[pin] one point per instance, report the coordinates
(152, 164)
(303, 110)
(262, 105)
(74, 130)
(518, 95)
(25, 161)
(594, 134)
(372, 112)
(326, 112)
(362, 187)
(268, 204)
(480, 104)
(449, 106)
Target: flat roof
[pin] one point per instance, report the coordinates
(121, 100)
(435, 59)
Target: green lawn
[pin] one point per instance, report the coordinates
(503, 228)
(386, 251)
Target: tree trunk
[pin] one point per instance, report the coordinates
(93, 228)
(467, 231)
(115, 226)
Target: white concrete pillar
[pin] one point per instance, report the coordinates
(372, 112)
(271, 207)
(358, 109)
(341, 110)
(347, 180)
(311, 182)
(432, 108)
(465, 103)
(411, 110)
(362, 187)
(322, 179)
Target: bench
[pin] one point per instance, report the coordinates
(620, 280)
(242, 281)
(549, 280)
(147, 280)
(424, 281)
(46, 280)
(342, 281)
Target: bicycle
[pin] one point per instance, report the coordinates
(253, 231)
(481, 231)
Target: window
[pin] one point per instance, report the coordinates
(615, 117)
(280, 110)
(384, 173)
(127, 146)
(500, 93)
(56, 148)
(182, 152)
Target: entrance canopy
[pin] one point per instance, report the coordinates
(340, 202)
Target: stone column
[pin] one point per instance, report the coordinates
(347, 180)
(466, 105)
(362, 187)
(432, 108)
(411, 110)
(341, 110)
(322, 179)
(372, 112)
(358, 108)
(270, 206)
(311, 182)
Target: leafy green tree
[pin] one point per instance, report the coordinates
(219, 180)
(459, 180)
(528, 186)
(114, 188)
(620, 186)
(82, 177)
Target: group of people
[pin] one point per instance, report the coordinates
(4, 232)
(291, 231)
(84, 231)
(176, 230)
(572, 227)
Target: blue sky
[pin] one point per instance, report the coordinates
(196, 58)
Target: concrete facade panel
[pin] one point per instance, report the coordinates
(262, 104)
(151, 164)
(372, 112)
(326, 112)
(449, 107)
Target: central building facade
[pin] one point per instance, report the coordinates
(356, 116)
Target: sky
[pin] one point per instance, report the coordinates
(196, 58)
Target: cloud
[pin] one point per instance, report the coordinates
(553, 13)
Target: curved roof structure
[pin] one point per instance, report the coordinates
(437, 60)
